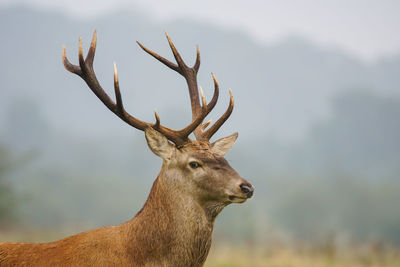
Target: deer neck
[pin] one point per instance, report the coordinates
(173, 224)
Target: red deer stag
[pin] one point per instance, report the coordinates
(195, 183)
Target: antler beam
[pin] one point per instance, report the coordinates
(199, 112)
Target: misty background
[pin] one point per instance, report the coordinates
(318, 125)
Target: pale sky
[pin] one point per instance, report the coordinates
(368, 29)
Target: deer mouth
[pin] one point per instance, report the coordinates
(237, 199)
(246, 190)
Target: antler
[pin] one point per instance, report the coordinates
(190, 75)
(86, 72)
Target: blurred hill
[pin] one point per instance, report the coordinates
(319, 128)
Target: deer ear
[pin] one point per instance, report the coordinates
(159, 144)
(221, 146)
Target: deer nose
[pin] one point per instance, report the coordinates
(247, 189)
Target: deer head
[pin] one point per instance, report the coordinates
(193, 167)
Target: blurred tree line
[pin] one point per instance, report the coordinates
(342, 177)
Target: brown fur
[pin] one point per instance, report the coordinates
(173, 228)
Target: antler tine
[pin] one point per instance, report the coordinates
(214, 100)
(82, 63)
(205, 125)
(214, 128)
(90, 55)
(203, 99)
(157, 124)
(196, 65)
(199, 131)
(178, 57)
(120, 106)
(68, 65)
(160, 58)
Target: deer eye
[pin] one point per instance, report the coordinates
(194, 164)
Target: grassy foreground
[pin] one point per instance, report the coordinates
(247, 256)
(239, 255)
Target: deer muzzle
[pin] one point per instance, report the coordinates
(244, 190)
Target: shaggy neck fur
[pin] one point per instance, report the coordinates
(172, 228)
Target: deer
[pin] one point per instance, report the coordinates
(195, 183)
